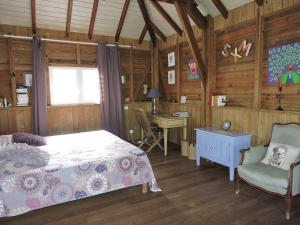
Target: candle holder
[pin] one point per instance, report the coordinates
(279, 96)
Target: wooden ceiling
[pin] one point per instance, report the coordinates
(119, 18)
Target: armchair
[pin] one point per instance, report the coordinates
(285, 183)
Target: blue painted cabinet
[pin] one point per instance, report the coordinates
(222, 147)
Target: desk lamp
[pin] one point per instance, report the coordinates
(154, 93)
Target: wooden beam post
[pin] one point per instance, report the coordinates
(167, 17)
(12, 72)
(192, 41)
(93, 18)
(131, 90)
(155, 67)
(122, 19)
(144, 31)
(211, 68)
(78, 57)
(196, 16)
(178, 70)
(260, 2)
(69, 17)
(147, 21)
(33, 16)
(259, 51)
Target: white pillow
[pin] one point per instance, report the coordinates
(281, 155)
(5, 140)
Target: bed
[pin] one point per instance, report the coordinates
(80, 165)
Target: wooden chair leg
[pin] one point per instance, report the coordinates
(288, 206)
(145, 188)
(237, 191)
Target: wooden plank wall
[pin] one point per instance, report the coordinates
(61, 119)
(74, 118)
(236, 79)
(190, 88)
(241, 81)
(256, 122)
(279, 30)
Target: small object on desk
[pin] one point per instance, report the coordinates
(221, 146)
(183, 99)
(226, 125)
(181, 114)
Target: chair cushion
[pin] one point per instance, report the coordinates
(267, 177)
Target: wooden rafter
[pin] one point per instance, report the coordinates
(181, 1)
(159, 32)
(144, 31)
(259, 2)
(196, 16)
(147, 21)
(166, 16)
(69, 16)
(191, 40)
(33, 16)
(122, 19)
(222, 9)
(93, 18)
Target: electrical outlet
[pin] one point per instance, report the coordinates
(131, 131)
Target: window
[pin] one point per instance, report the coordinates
(70, 85)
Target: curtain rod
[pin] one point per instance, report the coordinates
(63, 41)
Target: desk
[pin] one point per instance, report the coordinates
(167, 122)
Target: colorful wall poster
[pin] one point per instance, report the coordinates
(193, 73)
(284, 61)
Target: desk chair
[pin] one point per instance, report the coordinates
(152, 133)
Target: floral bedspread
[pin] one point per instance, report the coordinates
(80, 165)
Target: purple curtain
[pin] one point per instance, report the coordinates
(39, 96)
(108, 62)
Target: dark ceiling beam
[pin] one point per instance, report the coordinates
(260, 2)
(182, 14)
(147, 21)
(196, 16)
(33, 16)
(69, 17)
(93, 18)
(144, 31)
(166, 16)
(159, 32)
(122, 19)
(222, 9)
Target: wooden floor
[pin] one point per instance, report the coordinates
(190, 196)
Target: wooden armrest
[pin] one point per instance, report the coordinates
(293, 165)
(242, 151)
(291, 176)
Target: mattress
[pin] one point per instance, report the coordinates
(80, 165)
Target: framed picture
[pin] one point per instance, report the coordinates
(284, 64)
(27, 79)
(171, 59)
(171, 77)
